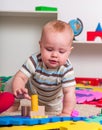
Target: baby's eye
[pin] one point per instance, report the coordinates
(62, 51)
(49, 49)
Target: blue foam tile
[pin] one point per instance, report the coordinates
(76, 118)
(5, 120)
(16, 121)
(44, 120)
(65, 118)
(101, 122)
(30, 121)
(55, 119)
(83, 118)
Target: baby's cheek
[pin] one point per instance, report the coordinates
(63, 61)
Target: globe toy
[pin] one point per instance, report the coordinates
(76, 25)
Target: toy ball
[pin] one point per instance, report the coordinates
(6, 101)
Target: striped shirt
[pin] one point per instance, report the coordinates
(48, 83)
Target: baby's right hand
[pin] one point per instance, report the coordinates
(21, 93)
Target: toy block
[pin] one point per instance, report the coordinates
(34, 102)
(45, 8)
(98, 27)
(40, 112)
(74, 113)
(92, 35)
(25, 110)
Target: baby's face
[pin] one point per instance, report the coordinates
(55, 49)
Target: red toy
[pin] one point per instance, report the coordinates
(88, 81)
(92, 35)
(6, 101)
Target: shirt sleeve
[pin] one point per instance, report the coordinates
(68, 78)
(28, 68)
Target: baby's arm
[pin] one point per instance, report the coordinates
(69, 101)
(19, 81)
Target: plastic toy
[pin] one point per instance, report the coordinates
(91, 35)
(6, 101)
(45, 8)
(88, 81)
(34, 102)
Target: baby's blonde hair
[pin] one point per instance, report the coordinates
(57, 26)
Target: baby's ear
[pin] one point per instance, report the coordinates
(71, 48)
(40, 43)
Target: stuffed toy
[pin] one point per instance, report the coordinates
(6, 101)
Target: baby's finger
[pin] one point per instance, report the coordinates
(18, 93)
(24, 90)
(27, 96)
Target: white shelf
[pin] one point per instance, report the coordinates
(29, 13)
(87, 42)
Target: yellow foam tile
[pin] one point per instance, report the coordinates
(66, 125)
(82, 126)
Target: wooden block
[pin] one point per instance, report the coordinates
(25, 110)
(40, 112)
(34, 102)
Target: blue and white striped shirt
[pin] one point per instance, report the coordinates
(48, 82)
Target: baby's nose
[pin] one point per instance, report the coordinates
(54, 54)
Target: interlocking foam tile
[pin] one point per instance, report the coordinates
(66, 125)
(87, 95)
(81, 126)
(19, 120)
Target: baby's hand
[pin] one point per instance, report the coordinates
(21, 93)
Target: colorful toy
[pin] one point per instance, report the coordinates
(36, 110)
(88, 81)
(45, 8)
(34, 102)
(77, 26)
(25, 111)
(91, 35)
(40, 112)
(6, 101)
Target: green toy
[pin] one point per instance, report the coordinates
(45, 8)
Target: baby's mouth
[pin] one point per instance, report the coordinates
(52, 61)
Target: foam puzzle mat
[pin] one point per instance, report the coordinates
(88, 97)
